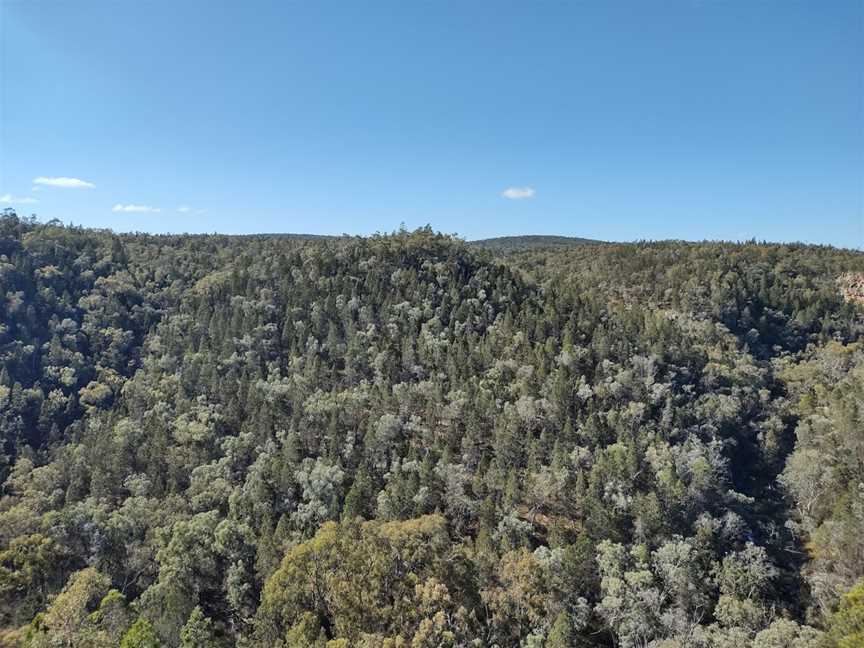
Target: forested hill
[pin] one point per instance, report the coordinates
(504, 243)
(407, 440)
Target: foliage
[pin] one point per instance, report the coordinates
(846, 625)
(408, 440)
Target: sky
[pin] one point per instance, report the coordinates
(617, 120)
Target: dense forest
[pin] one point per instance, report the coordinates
(408, 441)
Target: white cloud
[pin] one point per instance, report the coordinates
(65, 183)
(518, 193)
(135, 209)
(17, 200)
(186, 209)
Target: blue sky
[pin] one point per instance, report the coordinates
(615, 120)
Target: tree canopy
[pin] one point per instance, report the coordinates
(406, 440)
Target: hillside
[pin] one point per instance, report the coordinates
(505, 243)
(405, 440)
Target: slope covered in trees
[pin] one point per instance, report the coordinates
(506, 243)
(405, 440)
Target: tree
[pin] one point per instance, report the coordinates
(363, 578)
(68, 618)
(29, 569)
(743, 578)
(140, 635)
(198, 631)
(784, 633)
(561, 635)
(846, 625)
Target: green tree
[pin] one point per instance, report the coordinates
(561, 635)
(846, 625)
(140, 635)
(198, 631)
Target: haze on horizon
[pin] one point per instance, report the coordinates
(615, 121)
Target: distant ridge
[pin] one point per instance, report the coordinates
(531, 241)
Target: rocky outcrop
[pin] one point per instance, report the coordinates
(852, 286)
